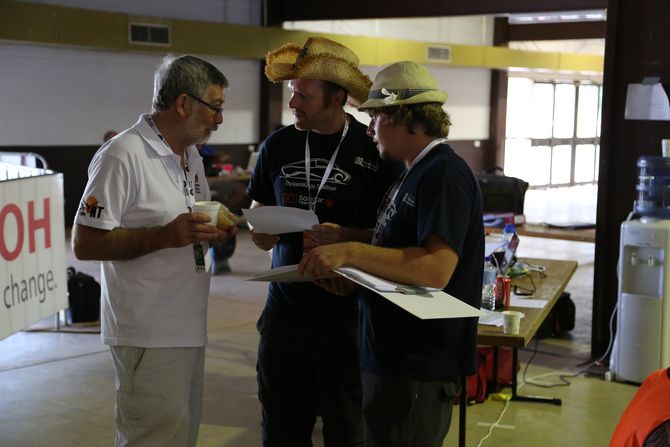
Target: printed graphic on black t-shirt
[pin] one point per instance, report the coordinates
(350, 198)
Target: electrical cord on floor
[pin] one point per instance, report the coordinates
(561, 376)
(495, 424)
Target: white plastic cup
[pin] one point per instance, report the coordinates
(511, 321)
(208, 207)
(665, 147)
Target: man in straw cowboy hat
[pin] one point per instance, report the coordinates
(429, 232)
(307, 356)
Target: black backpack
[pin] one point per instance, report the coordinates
(83, 297)
(501, 194)
(561, 319)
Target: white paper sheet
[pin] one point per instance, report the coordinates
(379, 284)
(492, 242)
(285, 273)
(491, 318)
(526, 301)
(647, 101)
(425, 303)
(280, 219)
(421, 302)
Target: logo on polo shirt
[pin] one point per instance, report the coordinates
(409, 199)
(91, 208)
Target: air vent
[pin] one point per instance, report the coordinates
(439, 53)
(145, 34)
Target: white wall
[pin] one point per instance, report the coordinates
(66, 96)
(71, 96)
(468, 102)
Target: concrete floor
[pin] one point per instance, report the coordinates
(56, 389)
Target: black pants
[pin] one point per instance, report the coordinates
(304, 371)
(406, 413)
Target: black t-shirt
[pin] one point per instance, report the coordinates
(356, 185)
(440, 196)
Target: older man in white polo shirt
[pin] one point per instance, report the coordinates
(136, 216)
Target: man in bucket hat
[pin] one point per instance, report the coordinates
(307, 356)
(429, 232)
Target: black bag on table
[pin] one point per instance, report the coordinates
(502, 194)
(83, 297)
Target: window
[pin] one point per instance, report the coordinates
(553, 132)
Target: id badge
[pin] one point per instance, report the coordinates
(203, 260)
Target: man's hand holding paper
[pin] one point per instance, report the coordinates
(320, 261)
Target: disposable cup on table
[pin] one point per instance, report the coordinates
(511, 321)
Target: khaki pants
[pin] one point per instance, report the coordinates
(158, 395)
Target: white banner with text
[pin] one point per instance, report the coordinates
(33, 282)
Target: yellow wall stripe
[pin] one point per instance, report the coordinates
(60, 25)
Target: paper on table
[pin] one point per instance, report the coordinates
(280, 219)
(421, 302)
(491, 318)
(527, 301)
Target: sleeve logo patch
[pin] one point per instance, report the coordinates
(91, 208)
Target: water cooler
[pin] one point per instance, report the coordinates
(643, 323)
(642, 344)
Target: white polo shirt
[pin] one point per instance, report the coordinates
(156, 300)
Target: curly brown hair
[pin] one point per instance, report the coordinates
(434, 119)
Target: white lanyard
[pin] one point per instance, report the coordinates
(329, 168)
(187, 183)
(418, 158)
(393, 192)
(200, 249)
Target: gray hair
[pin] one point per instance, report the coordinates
(185, 74)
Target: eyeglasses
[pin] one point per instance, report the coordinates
(215, 109)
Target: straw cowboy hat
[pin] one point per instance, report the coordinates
(322, 59)
(403, 83)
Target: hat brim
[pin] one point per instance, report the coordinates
(422, 98)
(280, 66)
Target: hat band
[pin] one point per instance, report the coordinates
(402, 93)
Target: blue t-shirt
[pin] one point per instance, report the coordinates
(350, 198)
(440, 196)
